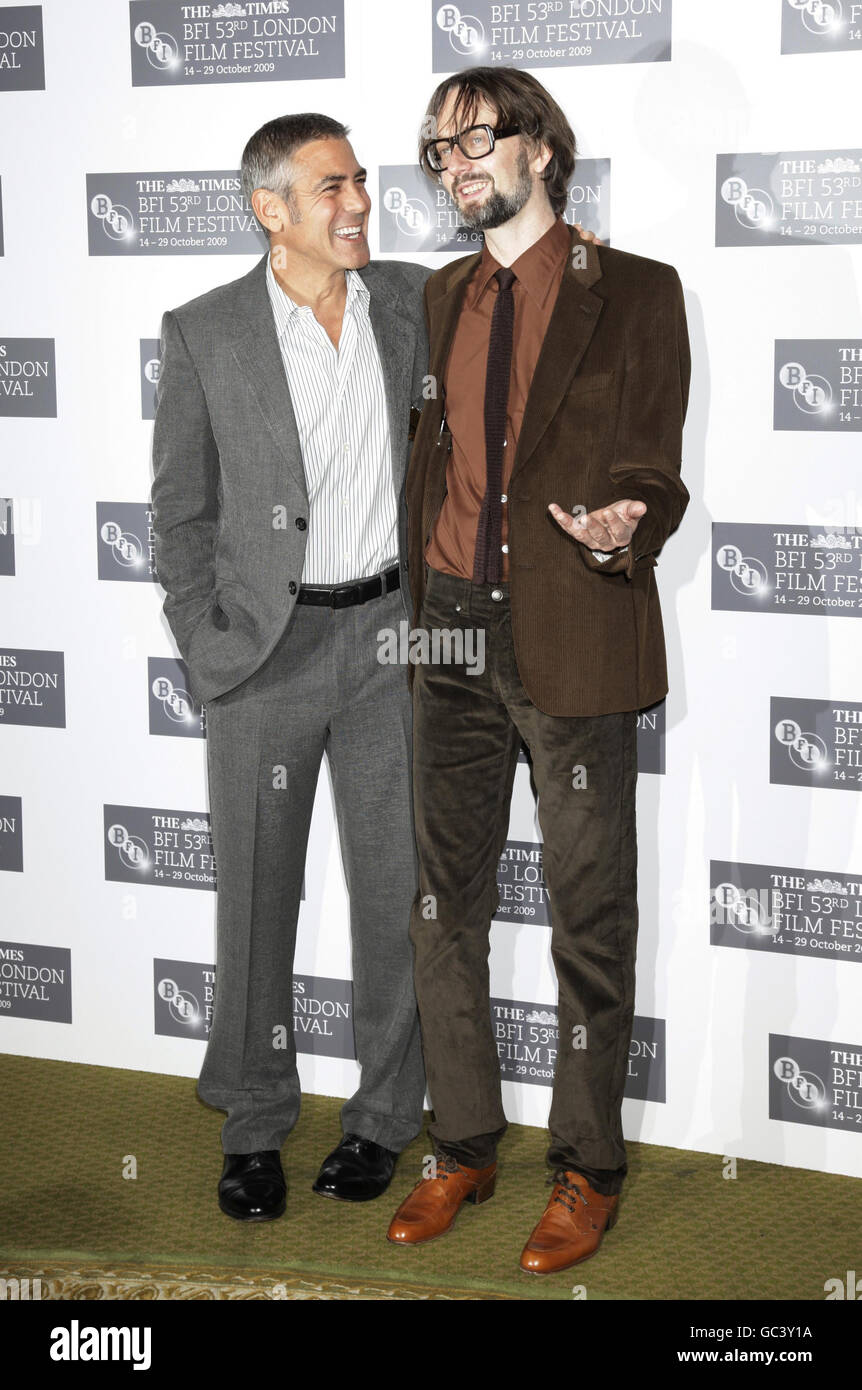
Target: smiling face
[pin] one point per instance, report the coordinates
(325, 221)
(493, 189)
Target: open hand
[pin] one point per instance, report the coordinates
(605, 529)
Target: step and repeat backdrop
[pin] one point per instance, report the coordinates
(723, 136)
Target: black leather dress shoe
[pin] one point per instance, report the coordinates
(252, 1186)
(357, 1171)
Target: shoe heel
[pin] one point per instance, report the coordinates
(483, 1191)
(612, 1219)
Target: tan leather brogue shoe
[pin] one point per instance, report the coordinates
(571, 1227)
(430, 1209)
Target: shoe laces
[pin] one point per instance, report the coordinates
(566, 1198)
(446, 1165)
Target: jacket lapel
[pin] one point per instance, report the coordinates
(444, 319)
(258, 356)
(443, 312)
(573, 323)
(396, 348)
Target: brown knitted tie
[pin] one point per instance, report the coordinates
(488, 558)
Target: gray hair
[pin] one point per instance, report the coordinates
(266, 157)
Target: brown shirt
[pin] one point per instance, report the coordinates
(539, 271)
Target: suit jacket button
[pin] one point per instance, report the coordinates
(301, 523)
(291, 588)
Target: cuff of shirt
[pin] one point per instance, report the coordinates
(610, 561)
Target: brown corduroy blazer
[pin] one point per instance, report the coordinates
(603, 422)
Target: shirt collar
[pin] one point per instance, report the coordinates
(358, 295)
(535, 268)
(284, 308)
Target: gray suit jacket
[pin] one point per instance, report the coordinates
(227, 461)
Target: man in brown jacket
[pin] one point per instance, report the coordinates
(544, 479)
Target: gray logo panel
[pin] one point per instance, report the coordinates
(171, 214)
(820, 26)
(35, 982)
(646, 1075)
(818, 384)
(808, 570)
(323, 1016)
(815, 743)
(175, 44)
(7, 536)
(789, 198)
(172, 709)
(168, 849)
(32, 687)
(183, 994)
(521, 884)
(126, 543)
(28, 378)
(184, 1002)
(651, 738)
(558, 33)
(22, 49)
(150, 362)
(813, 1082)
(528, 1039)
(785, 911)
(11, 835)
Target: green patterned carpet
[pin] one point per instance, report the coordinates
(67, 1213)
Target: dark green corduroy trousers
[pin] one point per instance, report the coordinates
(468, 727)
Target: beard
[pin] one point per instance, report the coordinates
(500, 207)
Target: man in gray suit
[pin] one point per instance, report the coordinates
(279, 449)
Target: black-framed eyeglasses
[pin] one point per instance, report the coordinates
(474, 142)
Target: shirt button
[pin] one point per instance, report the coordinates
(505, 549)
(496, 595)
(504, 498)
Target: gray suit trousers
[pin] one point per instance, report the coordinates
(321, 690)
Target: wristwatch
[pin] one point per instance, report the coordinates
(604, 555)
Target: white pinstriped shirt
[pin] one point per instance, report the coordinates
(339, 400)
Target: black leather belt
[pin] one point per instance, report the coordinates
(343, 595)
